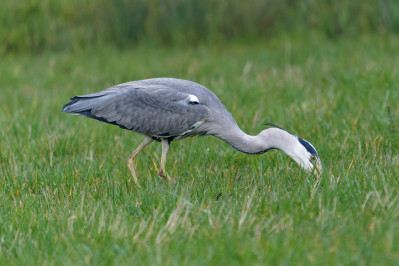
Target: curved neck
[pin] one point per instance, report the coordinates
(271, 138)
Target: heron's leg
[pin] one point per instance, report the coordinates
(130, 159)
(165, 148)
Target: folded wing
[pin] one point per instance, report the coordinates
(153, 110)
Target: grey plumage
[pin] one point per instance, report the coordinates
(168, 109)
(155, 107)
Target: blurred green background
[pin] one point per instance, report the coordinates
(73, 24)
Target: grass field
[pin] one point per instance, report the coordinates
(67, 196)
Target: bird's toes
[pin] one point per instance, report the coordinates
(165, 177)
(162, 174)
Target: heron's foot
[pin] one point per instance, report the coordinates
(162, 174)
(130, 165)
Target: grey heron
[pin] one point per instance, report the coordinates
(168, 109)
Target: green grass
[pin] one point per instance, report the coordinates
(67, 196)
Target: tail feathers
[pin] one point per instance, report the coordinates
(80, 104)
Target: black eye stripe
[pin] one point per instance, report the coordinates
(308, 147)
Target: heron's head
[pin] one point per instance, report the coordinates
(298, 149)
(307, 157)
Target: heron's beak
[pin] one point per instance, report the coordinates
(318, 169)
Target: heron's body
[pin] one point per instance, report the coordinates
(167, 109)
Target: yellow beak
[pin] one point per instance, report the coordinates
(318, 169)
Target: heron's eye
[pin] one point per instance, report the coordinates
(313, 159)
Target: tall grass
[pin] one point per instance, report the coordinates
(49, 24)
(67, 197)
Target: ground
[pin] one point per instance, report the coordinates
(67, 195)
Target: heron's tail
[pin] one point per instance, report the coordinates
(82, 104)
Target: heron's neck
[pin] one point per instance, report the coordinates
(272, 138)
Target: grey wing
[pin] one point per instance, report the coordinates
(150, 110)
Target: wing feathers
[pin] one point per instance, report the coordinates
(151, 110)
